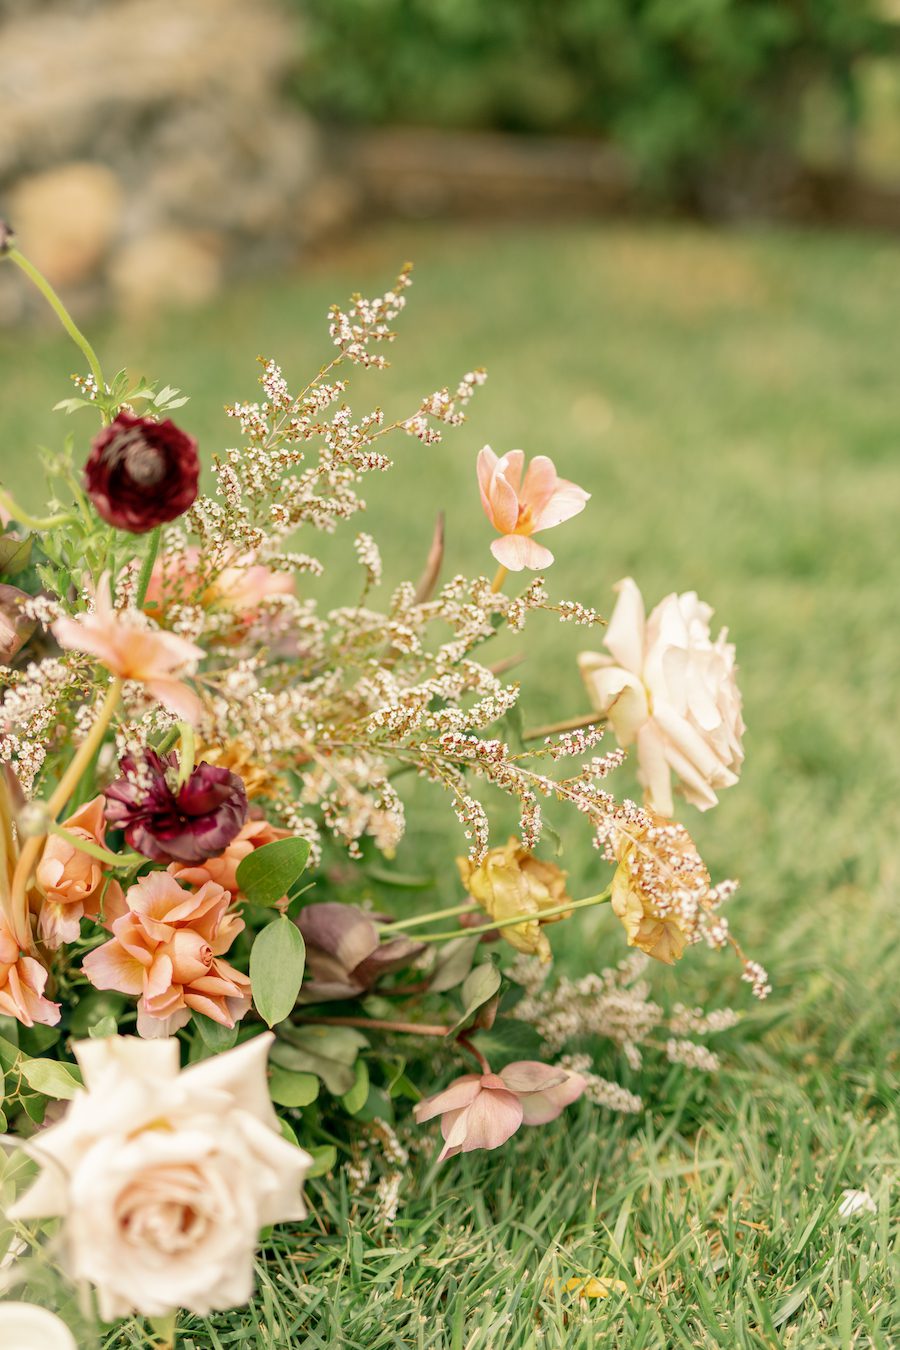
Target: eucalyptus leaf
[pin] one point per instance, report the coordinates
(268, 873)
(103, 1027)
(215, 1037)
(52, 1078)
(277, 959)
(453, 964)
(479, 987)
(328, 1052)
(324, 1158)
(15, 554)
(290, 1088)
(404, 881)
(354, 1100)
(508, 1040)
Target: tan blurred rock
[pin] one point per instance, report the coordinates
(67, 219)
(166, 269)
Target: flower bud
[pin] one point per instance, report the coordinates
(34, 820)
(7, 237)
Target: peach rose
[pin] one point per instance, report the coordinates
(669, 689)
(164, 1178)
(72, 881)
(166, 949)
(223, 870)
(22, 982)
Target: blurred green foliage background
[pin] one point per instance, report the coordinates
(683, 86)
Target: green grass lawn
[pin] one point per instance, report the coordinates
(731, 402)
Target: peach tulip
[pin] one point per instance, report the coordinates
(240, 587)
(133, 652)
(521, 508)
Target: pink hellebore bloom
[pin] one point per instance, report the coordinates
(72, 881)
(519, 509)
(484, 1110)
(166, 948)
(126, 648)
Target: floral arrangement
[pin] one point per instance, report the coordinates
(205, 997)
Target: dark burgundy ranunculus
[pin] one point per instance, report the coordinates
(141, 473)
(171, 824)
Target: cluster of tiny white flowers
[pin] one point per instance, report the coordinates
(602, 1091)
(757, 977)
(369, 557)
(691, 1054)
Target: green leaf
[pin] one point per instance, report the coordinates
(290, 1088)
(288, 1132)
(355, 1099)
(214, 1036)
(70, 405)
(404, 881)
(15, 554)
(324, 1158)
(52, 1078)
(479, 987)
(328, 1052)
(377, 1106)
(35, 1040)
(268, 873)
(94, 1006)
(9, 1053)
(507, 1040)
(453, 964)
(103, 1027)
(277, 958)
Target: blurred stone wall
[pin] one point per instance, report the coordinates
(146, 152)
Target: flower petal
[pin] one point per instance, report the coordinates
(625, 633)
(515, 551)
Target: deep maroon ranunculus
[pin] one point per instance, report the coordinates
(141, 473)
(172, 824)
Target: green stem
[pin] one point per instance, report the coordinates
(377, 1024)
(168, 741)
(65, 787)
(33, 522)
(146, 572)
(397, 924)
(187, 752)
(65, 318)
(103, 855)
(517, 918)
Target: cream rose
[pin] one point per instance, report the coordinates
(670, 689)
(164, 1178)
